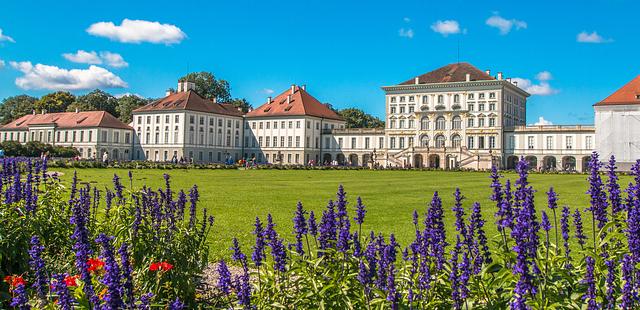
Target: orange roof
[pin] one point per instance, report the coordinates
(451, 73)
(628, 94)
(300, 103)
(68, 120)
(189, 100)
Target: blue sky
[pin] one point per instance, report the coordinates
(342, 50)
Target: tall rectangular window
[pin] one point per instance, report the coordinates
(353, 143)
(588, 143)
(549, 142)
(470, 143)
(530, 142)
(569, 142)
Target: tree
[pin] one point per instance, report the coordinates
(126, 105)
(96, 100)
(241, 103)
(16, 107)
(357, 118)
(55, 102)
(208, 86)
(12, 148)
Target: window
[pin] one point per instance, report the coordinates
(282, 141)
(470, 122)
(492, 106)
(411, 109)
(512, 142)
(353, 143)
(260, 141)
(588, 144)
(139, 119)
(268, 125)
(392, 123)
(260, 125)
(440, 99)
(192, 119)
(530, 142)
(481, 142)
(440, 140)
(456, 98)
(425, 99)
(392, 143)
(275, 126)
(177, 119)
(366, 143)
(492, 142)
(90, 136)
(440, 123)
(402, 99)
(116, 137)
(275, 141)
(456, 141)
(297, 141)
(481, 122)
(148, 119)
(411, 123)
(393, 99)
(267, 141)
(411, 99)
(471, 107)
(381, 143)
(481, 107)
(424, 123)
(290, 124)
(481, 96)
(470, 97)
(166, 119)
(401, 124)
(289, 158)
(569, 142)
(401, 142)
(393, 110)
(402, 109)
(549, 142)
(297, 124)
(492, 95)
(456, 123)
(289, 141)
(253, 125)
(492, 122)
(470, 142)
(308, 125)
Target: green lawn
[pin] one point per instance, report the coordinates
(236, 197)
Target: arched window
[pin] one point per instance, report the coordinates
(456, 141)
(424, 123)
(440, 141)
(424, 141)
(456, 98)
(440, 123)
(456, 123)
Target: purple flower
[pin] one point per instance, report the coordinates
(127, 274)
(564, 224)
(112, 277)
(611, 286)
(598, 197)
(477, 230)
(313, 227)
(224, 278)
(59, 287)
(279, 253)
(79, 218)
(360, 212)
(193, 198)
(20, 299)
(454, 276)
(392, 294)
(145, 301)
(300, 227)
(415, 218)
(629, 294)
(545, 224)
(176, 305)
(237, 256)
(341, 204)
(344, 237)
(577, 221)
(590, 282)
(435, 231)
(461, 227)
(258, 255)
(328, 228)
(243, 287)
(118, 186)
(36, 262)
(613, 187)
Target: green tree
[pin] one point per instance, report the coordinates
(126, 105)
(55, 102)
(241, 103)
(208, 86)
(12, 148)
(16, 107)
(96, 100)
(357, 118)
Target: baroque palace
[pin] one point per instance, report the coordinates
(456, 116)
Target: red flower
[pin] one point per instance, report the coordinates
(162, 266)
(95, 264)
(14, 280)
(70, 281)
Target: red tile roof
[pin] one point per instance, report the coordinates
(627, 94)
(450, 73)
(189, 100)
(68, 120)
(301, 103)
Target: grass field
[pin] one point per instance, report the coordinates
(236, 197)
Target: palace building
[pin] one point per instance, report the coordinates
(454, 117)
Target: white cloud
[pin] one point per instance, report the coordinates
(406, 33)
(542, 122)
(594, 37)
(83, 57)
(51, 77)
(113, 60)
(137, 31)
(268, 91)
(446, 27)
(407, 19)
(110, 59)
(4, 37)
(505, 25)
(1, 63)
(543, 88)
(128, 94)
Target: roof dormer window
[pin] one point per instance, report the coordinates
(638, 96)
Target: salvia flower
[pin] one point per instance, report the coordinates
(360, 211)
(20, 299)
(610, 282)
(112, 277)
(313, 226)
(60, 288)
(127, 273)
(545, 224)
(629, 295)
(176, 305)
(36, 262)
(590, 282)
(258, 255)
(300, 227)
(564, 225)
(577, 221)
(613, 187)
(224, 278)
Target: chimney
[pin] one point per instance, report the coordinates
(33, 111)
(515, 83)
(509, 80)
(269, 99)
(499, 76)
(293, 88)
(304, 87)
(168, 93)
(215, 100)
(77, 110)
(44, 111)
(184, 86)
(417, 80)
(488, 72)
(288, 99)
(467, 77)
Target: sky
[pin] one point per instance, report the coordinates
(567, 54)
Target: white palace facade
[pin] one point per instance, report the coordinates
(455, 117)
